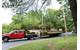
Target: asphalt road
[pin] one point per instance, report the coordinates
(13, 43)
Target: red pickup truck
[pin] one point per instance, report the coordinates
(17, 34)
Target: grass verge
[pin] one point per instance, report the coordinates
(62, 43)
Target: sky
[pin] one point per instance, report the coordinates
(6, 14)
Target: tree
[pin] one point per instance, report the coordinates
(6, 28)
(73, 8)
(30, 20)
(26, 17)
(21, 6)
(33, 18)
(53, 18)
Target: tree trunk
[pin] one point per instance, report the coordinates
(73, 8)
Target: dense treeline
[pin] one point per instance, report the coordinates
(33, 20)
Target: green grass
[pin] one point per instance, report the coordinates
(62, 43)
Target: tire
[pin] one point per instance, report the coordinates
(29, 37)
(34, 38)
(5, 39)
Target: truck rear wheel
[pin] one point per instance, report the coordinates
(31, 37)
(5, 39)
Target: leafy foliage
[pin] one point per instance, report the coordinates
(6, 28)
(33, 20)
